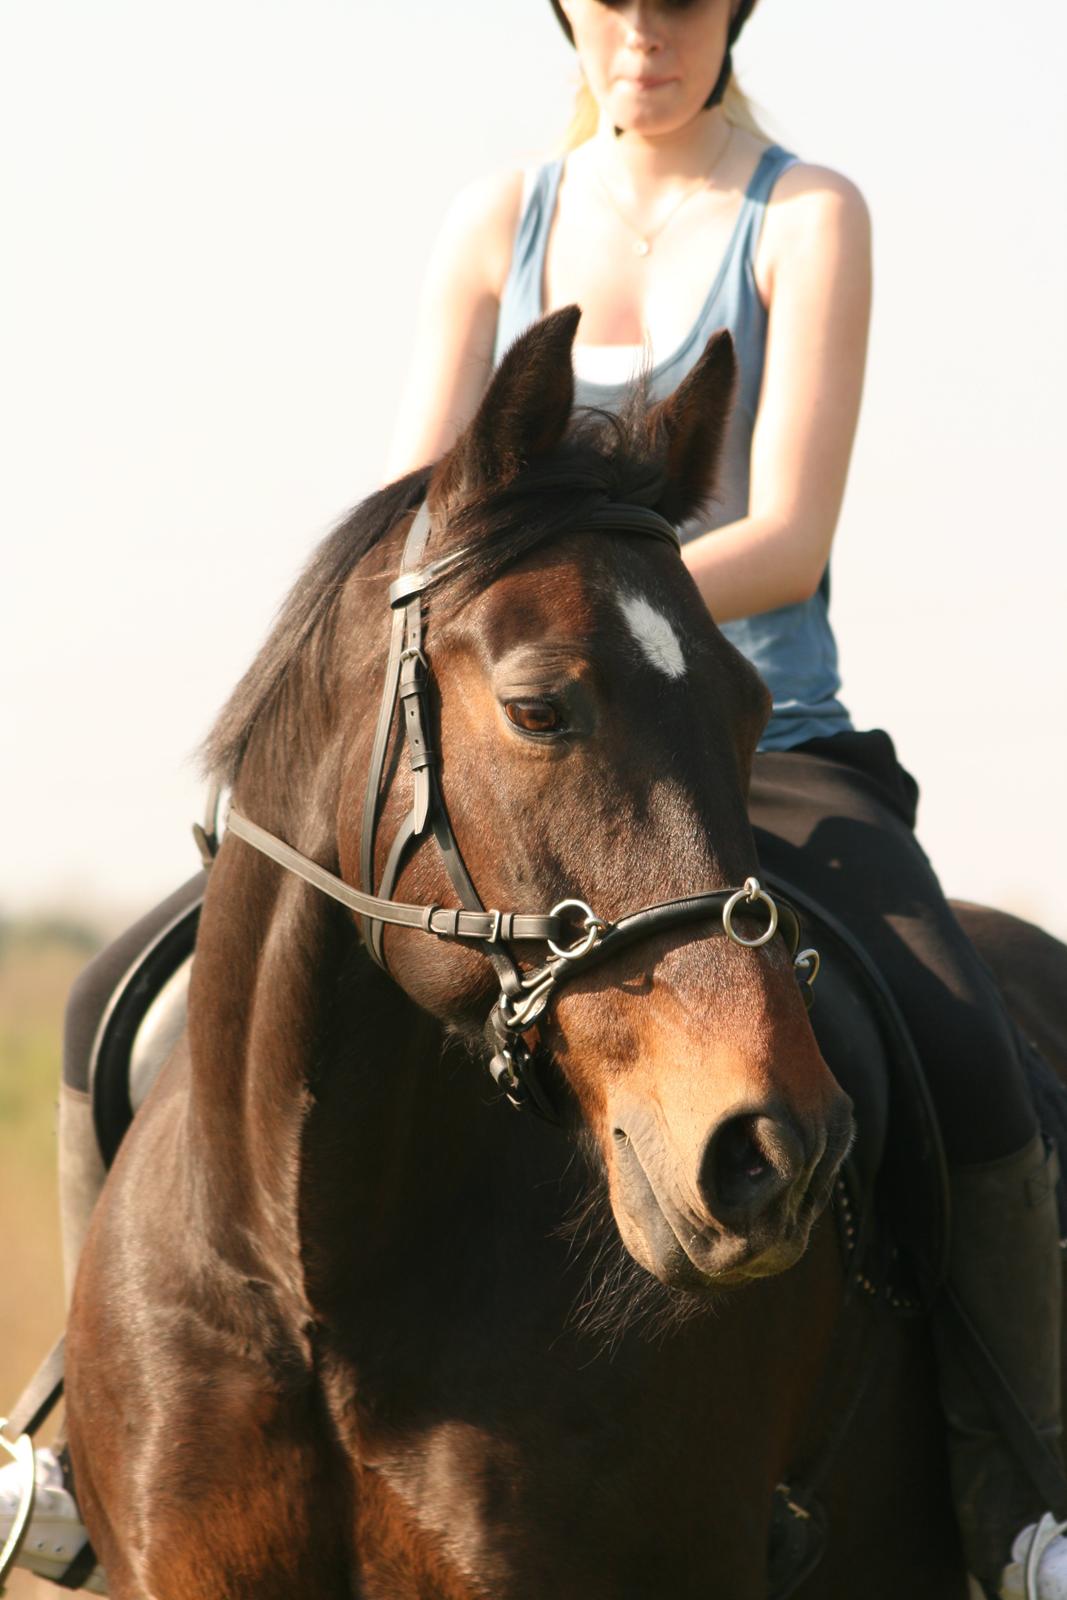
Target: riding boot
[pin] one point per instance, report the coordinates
(81, 1176)
(1005, 1272)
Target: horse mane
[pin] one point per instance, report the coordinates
(605, 456)
(303, 620)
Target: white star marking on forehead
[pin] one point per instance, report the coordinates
(655, 635)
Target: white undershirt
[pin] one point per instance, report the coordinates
(611, 363)
(598, 363)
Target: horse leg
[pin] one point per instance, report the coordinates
(229, 1496)
(204, 1460)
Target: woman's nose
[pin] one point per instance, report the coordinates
(642, 32)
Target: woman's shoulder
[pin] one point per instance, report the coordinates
(794, 190)
(490, 199)
(807, 195)
(479, 225)
(815, 216)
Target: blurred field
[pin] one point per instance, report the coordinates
(38, 962)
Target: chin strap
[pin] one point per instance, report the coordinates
(722, 82)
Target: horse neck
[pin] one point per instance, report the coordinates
(318, 1092)
(250, 1023)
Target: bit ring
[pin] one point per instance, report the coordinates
(593, 929)
(750, 894)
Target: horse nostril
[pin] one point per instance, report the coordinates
(749, 1160)
(739, 1162)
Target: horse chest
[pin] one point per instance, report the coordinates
(548, 1486)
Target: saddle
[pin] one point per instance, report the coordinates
(143, 1022)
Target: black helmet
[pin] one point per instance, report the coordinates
(740, 17)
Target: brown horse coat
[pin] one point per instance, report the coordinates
(345, 1326)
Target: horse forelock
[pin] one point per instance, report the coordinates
(604, 457)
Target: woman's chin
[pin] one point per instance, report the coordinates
(652, 113)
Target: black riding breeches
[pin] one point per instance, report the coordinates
(835, 817)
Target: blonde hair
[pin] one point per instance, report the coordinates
(737, 108)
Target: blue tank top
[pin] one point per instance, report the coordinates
(793, 647)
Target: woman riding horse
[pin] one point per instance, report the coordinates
(672, 216)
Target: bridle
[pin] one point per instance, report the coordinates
(524, 995)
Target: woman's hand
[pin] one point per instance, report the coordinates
(813, 272)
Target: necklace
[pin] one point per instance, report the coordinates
(645, 238)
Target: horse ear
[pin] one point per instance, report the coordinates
(525, 410)
(689, 429)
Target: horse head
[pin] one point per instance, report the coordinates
(595, 735)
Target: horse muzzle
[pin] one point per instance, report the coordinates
(762, 1180)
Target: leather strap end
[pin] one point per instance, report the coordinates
(420, 809)
(403, 588)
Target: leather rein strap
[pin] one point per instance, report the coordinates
(477, 926)
(524, 995)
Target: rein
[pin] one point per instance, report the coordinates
(575, 942)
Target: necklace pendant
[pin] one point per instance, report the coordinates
(642, 247)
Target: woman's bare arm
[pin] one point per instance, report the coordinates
(457, 320)
(814, 271)
(813, 268)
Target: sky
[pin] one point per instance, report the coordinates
(216, 218)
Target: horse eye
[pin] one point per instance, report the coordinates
(534, 716)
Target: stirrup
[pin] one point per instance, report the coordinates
(1044, 1532)
(21, 1452)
